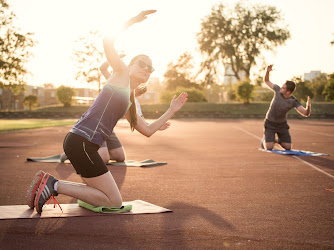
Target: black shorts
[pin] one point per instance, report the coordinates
(84, 156)
(281, 129)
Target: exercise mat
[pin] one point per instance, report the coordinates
(293, 152)
(52, 158)
(128, 163)
(131, 163)
(74, 210)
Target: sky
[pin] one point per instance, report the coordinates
(165, 35)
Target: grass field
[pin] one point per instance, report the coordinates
(8, 125)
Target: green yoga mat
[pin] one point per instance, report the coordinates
(106, 210)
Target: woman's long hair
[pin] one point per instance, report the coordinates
(133, 109)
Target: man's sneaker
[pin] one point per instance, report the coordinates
(45, 192)
(262, 143)
(31, 193)
(63, 157)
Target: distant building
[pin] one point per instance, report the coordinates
(85, 96)
(46, 95)
(312, 75)
(154, 87)
(10, 101)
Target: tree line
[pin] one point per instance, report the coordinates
(230, 35)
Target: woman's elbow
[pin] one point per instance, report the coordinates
(148, 134)
(145, 132)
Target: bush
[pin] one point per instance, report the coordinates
(328, 91)
(245, 90)
(64, 95)
(30, 101)
(194, 95)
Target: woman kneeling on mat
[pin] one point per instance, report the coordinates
(82, 143)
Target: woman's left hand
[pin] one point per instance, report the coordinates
(178, 102)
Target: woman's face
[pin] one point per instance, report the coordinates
(141, 69)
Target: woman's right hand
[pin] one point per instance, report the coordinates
(177, 103)
(142, 16)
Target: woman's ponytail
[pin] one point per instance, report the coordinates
(133, 111)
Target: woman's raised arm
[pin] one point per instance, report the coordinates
(112, 56)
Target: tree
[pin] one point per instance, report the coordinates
(238, 37)
(303, 89)
(180, 74)
(245, 90)
(89, 57)
(329, 88)
(30, 101)
(64, 95)
(15, 51)
(194, 95)
(317, 86)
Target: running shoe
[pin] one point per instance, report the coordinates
(31, 193)
(262, 143)
(45, 192)
(63, 157)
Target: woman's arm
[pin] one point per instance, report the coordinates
(104, 70)
(113, 58)
(149, 129)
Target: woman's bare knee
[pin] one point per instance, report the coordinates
(106, 184)
(103, 152)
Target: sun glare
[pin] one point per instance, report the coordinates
(164, 36)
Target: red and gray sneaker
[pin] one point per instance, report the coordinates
(32, 190)
(45, 192)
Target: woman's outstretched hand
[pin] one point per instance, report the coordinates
(178, 102)
(165, 126)
(142, 16)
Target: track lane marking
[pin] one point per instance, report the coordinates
(310, 131)
(296, 157)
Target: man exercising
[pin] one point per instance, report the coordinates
(275, 121)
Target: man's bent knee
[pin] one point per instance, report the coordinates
(269, 145)
(286, 146)
(117, 154)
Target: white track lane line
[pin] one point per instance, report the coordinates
(296, 157)
(313, 132)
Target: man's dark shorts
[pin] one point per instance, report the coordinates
(281, 129)
(112, 142)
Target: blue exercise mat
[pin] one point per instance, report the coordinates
(292, 152)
